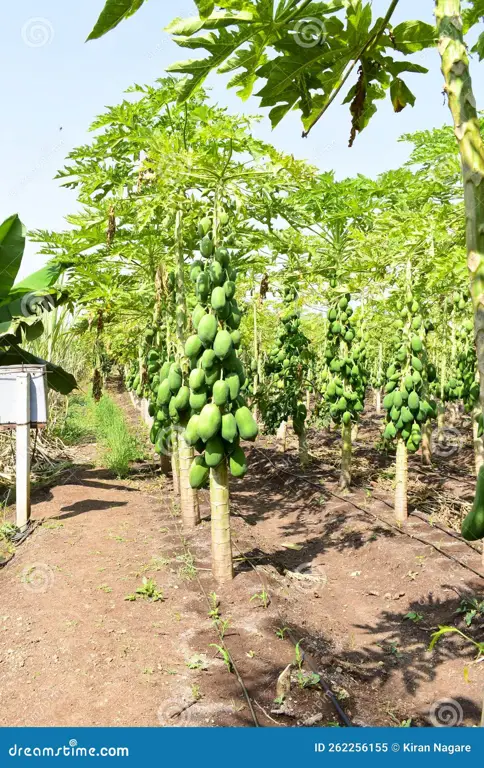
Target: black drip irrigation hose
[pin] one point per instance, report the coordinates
(221, 638)
(376, 517)
(324, 685)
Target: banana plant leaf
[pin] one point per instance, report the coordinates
(57, 378)
(12, 245)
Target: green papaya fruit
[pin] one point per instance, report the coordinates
(473, 525)
(413, 401)
(223, 345)
(193, 345)
(191, 430)
(233, 382)
(164, 393)
(223, 257)
(165, 370)
(246, 424)
(199, 473)
(229, 427)
(229, 288)
(206, 246)
(219, 299)
(196, 379)
(207, 329)
(210, 421)
(197, 315)
(416, 344)
(417, 364)
(175, 379)
(198, 400)
(236, 338)
(238, 463)
(208, 359)
(182, 399)
(204, 226)
(214, 451)
(212, 375)
(220, 392)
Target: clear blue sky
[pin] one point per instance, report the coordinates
(66, 82)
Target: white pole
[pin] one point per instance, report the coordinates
(22, 504)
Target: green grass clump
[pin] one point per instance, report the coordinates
(77, 425)
(118, 446)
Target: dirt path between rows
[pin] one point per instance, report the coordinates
(74, 651)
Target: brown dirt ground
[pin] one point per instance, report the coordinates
(74, 651)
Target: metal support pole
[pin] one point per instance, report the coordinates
(22, 503)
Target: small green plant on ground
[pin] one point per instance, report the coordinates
(214, 612)
(148, 591)
(413, 616)
(224, 654)
(281, 632)
(187, 570)
(263, 597)
(198, 661)
(7, 531)
(471, 607)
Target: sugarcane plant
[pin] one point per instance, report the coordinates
(407, 401)
(286, 371)
(346, 383)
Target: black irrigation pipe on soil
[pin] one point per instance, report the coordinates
(380, 520)
(324, 685)
(221, 638)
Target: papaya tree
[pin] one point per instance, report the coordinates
(346, 387)
(219, 416)
(406, 401)
(286, 374)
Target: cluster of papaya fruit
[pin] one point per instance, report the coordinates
(406, 401)
(287, 367)
(345, 377)
(215, 411)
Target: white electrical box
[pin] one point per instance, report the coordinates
(10, 407)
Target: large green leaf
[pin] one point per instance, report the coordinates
(12, 245)
(114, 12)
(38, 282)
(57, 378)
(413, 36)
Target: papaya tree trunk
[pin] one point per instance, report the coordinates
(188, 497)
(378, 402)
(478, 442)
(175, 462)
(427, 444)
(282, 436)
(256, 358)
(303, 447)
(354, 432)
(462, 104)
(222, 562)
(346, 450)
(401, 481)
(222, 568)
(182, 453)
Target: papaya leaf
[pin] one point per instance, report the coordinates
(12, 245)
(413, 36)
(205, 7)
(479, 47)
(112, 14)
(401, 95)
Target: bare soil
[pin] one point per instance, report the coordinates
(332, 571)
